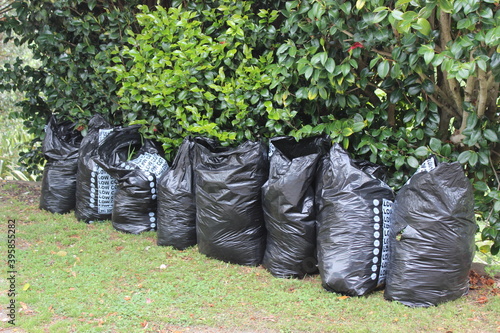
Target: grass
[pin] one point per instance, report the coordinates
(91, 278)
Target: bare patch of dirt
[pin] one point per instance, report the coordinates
(28, 192)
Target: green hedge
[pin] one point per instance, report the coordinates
(392, 82)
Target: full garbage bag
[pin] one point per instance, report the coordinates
(94, 187)
(176, 201)
(353, 223)
(432, 237)
(136, 164)
(288, 203)
(229, 217)
(60, 147)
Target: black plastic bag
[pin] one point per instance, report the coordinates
(353, 220)
(432, 237)
(60, 147)
(176, 201)
(288, 203)
(229, 217)
(134, 209)
(94, 187)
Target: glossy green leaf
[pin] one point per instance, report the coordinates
(330, 65)
(423, 26)
(491, 135)
(435, 144)
(412, 162)
(464, 157)
(421, 151)
(383, 68)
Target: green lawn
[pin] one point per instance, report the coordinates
(74, 277)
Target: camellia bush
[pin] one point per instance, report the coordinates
(392, 82)
(71, 42)
(204, 70)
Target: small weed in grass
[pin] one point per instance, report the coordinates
(91, 278)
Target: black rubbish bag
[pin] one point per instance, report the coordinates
(353, 224)
(432, 237)
(60, 147)
(288, 202)
(94, 187)
(176, 201)
(134, 209)
(229, 218)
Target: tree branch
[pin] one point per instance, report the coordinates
(491, 106)
(468, 97)
(482, 93)
(450, 85)
(387, 54)
(446, 103)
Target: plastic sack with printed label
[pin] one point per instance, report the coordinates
(229, 217)
(60, 147)
(353, 224)
(288, 202)
(432, 237)
(176, 201)
(135, 164)
(94, 187)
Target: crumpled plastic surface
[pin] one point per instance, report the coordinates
(432, 238)
(134, 209)
(230, 223)
(176, 201)
(60, 147)
(288, 203)
(353, 207)
(94, 187)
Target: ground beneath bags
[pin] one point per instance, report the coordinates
(483, 287)
(28, 192)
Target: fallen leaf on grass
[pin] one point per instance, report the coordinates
(343, 297)
(149, 301)
(26, 286)
(144, 324)
(127, 298)
(61, 253)
(482, 300)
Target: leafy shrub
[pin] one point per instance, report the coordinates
(391, 84)
(203, 71)
(71, 40)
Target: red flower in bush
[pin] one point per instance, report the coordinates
(355, 46)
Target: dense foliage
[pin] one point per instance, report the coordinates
(72, 40)
(391, 81)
